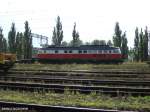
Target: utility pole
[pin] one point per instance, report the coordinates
(41, 37)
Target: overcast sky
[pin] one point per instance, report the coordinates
(95, 19)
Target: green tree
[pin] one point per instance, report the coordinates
(87, 43)
(141, 46)
(78, 44)
(5, 46)
(3, 42)
(124, 47)
(76, 41)
(131, 54)
(1, 39)
(98, 42)
(12, 39)
(95, 42)
(57, 33)
(117, 36)
(120, 40)
(19, 45)
(145, 44)
(54, 38)
(109, 43)
(102, 42)
(27, 42)
(136, 45)
(64, 44)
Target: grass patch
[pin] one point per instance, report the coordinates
(76, 99)
(127, 65)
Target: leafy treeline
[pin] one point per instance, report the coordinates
(140, 52)
(57, 37)
(141, 45)
(57, 33)
(27, 45)
(120, 40)
(76, 40)
(21, 43)
(18, 43)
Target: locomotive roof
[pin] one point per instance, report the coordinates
(82, 47)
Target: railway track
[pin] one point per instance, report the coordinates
(11, 106)
(92, 77)
(84, 70)
(74, 74)
(106, 71)
(80, 88)
(114, 83)
(108, 82)
(60, 80)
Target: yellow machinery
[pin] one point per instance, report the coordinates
(7, 60)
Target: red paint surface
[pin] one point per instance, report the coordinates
(80, 56)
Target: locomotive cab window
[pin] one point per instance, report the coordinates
(70, 51)
(80, 52)
(65, 51)
(117, 51)
(84, 51)
(56, 51)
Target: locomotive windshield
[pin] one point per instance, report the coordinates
(117, 51)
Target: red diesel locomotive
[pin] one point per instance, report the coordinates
(83, 53)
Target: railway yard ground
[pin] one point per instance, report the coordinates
(76, 88)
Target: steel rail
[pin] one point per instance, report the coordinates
(48, 108)
(77, 74)
(112, 71)
(76, 81)
(83, 89)
(93, 77)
